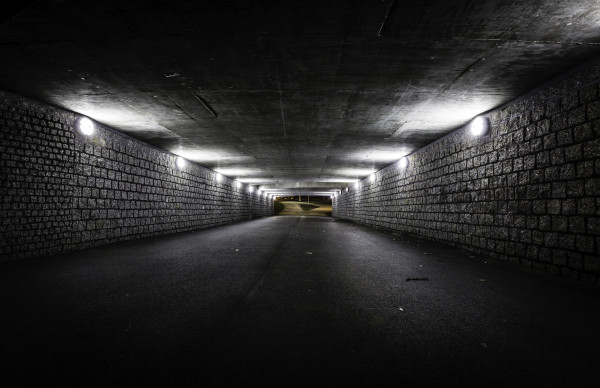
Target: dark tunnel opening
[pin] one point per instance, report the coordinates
(303, 205)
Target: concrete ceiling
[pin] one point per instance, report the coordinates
(281, 92)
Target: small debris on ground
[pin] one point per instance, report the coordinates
(484, 344)
(309, 253)
(237, 250)
(400, 308)
(482, 280)
(418, 279)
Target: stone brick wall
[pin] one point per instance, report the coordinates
(61, 190)
(526, 192)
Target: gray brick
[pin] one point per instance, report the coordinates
(577, 224)
(576, 116)
(575, 260)
(592, 264)
(559, 257)
(569, 207)
(575, 188)
(592, 186)
(584, 244)
(573, 153)
(593, 110)
(558, 123)
(591, 149)
(589, 93)
(564, 137)
(585, 169)
(586, 206)
(554, 206)
(583, 132)
(553, 107)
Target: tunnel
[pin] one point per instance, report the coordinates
(315, 194)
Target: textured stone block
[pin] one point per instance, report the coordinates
(593, 110)
(592, 263)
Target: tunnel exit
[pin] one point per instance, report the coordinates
(303, 205)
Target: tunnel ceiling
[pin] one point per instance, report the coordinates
(276, 92)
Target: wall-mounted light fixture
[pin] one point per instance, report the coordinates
(218, 177)
(86, 126)
(372, 177)
(479, 126)
(238, 184)
(403, 163)
(180, 162)
(250, 189)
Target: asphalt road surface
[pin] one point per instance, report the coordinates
(292, 301)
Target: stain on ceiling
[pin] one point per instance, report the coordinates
(279, 92)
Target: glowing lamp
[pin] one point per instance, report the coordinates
(403, 163)
(86, 126)
(479, 126)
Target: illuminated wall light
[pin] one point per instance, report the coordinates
(479, 126)
(250, 189)
(218, 177)
(357, 185)
(238, 184)
(180, 162)
(403, 163)
(372, 178)
(86, 126)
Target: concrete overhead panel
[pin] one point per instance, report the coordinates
(279, 92)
